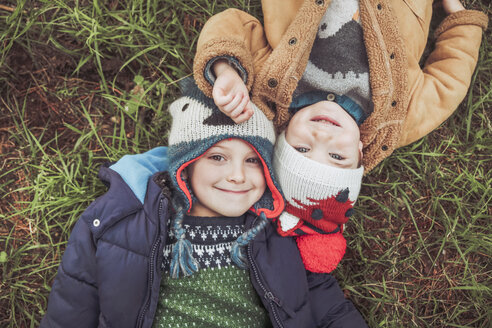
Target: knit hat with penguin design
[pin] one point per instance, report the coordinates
(198, 125)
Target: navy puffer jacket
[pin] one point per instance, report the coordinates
(110, 272)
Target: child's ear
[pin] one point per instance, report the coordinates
(184, 174)
(360, 154)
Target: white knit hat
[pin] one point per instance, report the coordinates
(316, 193)
(319, 201)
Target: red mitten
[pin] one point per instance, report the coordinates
(321, 253)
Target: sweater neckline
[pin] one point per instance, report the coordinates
(213, 221)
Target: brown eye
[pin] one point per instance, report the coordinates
(217, 158)
(336, 156)
(253, 160)
(301, 149)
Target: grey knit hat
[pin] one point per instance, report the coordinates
(198, 125)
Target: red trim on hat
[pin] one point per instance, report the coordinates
(181, 183)
(278, 200)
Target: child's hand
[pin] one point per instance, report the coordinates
(230, 93)
(452, 6)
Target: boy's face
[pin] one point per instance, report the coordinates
(326, 133)
(227, 180)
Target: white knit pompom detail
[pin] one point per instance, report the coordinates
(288, 221)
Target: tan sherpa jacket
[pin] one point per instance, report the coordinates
(409, 101)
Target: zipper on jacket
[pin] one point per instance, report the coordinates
(270, 296)
(155, 247)
(267, 294)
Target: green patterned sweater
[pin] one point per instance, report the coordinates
(219, 294)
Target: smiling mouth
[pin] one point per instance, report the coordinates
(233, 191)
(325, 120)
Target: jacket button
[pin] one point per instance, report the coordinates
(379, 6)
(384, 148)
(393, 103)
(272, 83)
(96, 223)
(392, 56)
(320, 2)
(292, 41)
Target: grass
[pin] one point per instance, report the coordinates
(85, 82)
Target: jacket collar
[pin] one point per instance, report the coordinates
(120, 201)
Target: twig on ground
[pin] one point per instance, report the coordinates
(6, 8)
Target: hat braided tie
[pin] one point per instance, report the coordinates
(182, 260)
(237, 249)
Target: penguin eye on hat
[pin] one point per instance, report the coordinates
(184, 107)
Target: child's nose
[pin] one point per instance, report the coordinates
(236, 174)
(322, 135)
(321, 156)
